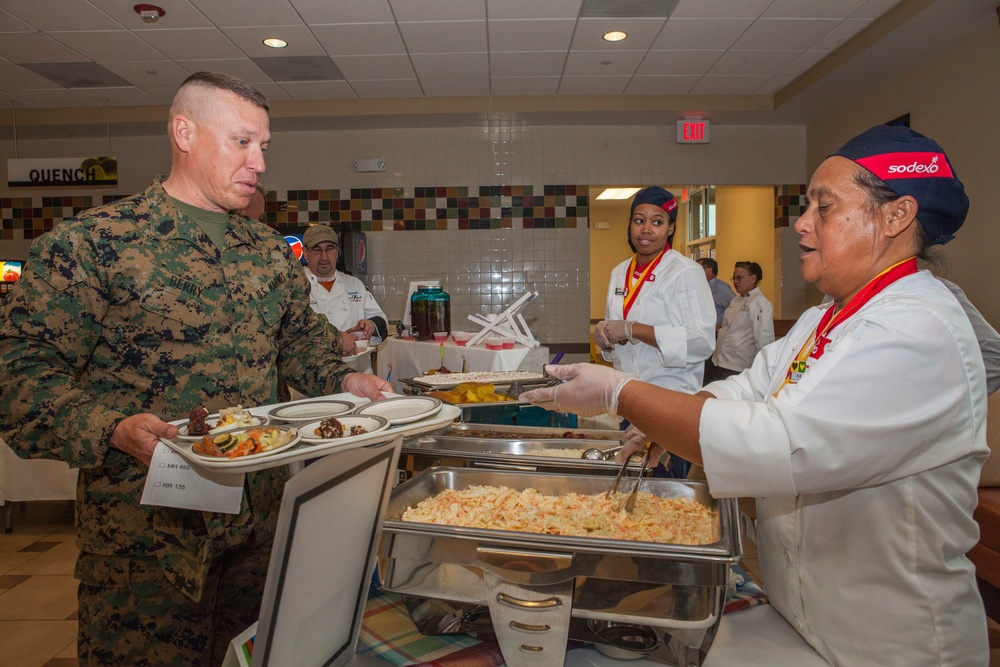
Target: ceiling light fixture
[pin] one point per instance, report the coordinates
(149, 13)
(617, 193)
(615, 36)
(275, 43)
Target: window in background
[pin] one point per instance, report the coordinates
(701, 223)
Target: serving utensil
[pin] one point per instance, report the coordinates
(630, 501)
(618, 477)
(595, 454)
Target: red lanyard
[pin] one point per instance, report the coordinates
(632, 290)
(815, 346)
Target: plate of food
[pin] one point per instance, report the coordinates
(402, 410)
(245, 444)
(200, 423)
(342, 429)
(308, 411)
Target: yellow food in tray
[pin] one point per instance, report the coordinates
(471, 392)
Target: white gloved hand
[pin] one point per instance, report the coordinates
(634, 441)
(601, 339)
(586, 390)
(618, 331)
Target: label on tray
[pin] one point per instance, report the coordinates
(172, 482)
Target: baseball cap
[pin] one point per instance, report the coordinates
(317, 234)
(915, 165)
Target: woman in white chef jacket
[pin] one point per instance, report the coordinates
(747, 324)
(861, 433)
(344, 299)
(659, 317)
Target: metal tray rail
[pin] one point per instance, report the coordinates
(508, 454)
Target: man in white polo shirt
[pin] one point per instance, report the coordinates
(344, 299)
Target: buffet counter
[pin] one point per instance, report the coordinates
(411, 358)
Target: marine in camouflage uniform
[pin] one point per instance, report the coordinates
(130, 308)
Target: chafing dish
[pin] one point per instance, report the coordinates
(525, 454)
(534, 591)
(533, 432)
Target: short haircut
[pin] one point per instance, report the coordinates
(219, 81)
(709, 263)
(752, 268)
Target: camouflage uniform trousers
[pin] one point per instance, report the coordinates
(131, 615)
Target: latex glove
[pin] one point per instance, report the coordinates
(609, 333)
(350, 347)
(586, 390)
(367, 385)
(635, 441)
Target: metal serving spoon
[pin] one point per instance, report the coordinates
(595, 454)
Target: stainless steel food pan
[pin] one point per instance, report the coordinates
(540, 589)
(531, 432)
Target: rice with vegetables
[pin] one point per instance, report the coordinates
(654, 518)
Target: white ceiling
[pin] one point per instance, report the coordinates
(435, 48)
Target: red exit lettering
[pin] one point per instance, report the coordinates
(694, 131)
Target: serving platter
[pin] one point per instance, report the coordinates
(371, 424)
(446, 381)
(303, 451)
(303, 412)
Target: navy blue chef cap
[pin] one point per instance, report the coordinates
(656, 196)
(912, 164)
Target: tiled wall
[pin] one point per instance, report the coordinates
(430, 171)
(789, 204)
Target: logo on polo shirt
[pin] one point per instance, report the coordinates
(907, 165)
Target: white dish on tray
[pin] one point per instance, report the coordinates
(403, 410)
(373, 424)
(296, 436)
(182, 427)
(307, 411)
(362, 353)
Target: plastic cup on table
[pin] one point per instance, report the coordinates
(461, 337)
(508, 343)
(494, 343)
(440, 336)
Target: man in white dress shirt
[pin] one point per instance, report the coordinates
(344, 299)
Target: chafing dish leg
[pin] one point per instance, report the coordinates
(531, 622)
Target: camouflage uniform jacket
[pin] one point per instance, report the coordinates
(130, 308)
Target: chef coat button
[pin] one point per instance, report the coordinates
(788, 556)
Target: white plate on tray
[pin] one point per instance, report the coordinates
(307, 411)
(403, 410)
(365, 353)
(239, 460)
(182, 428)
(373, 424)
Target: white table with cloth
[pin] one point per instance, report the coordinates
(411, 358)
(32, 479)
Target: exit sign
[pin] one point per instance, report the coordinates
(692, 131)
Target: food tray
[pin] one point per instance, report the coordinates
(472, 429)
(670, 595)
(304, 451)
(508, 453)
(530, 382)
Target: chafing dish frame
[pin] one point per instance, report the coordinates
(676, 592)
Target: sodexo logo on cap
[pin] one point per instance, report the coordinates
(915, 165)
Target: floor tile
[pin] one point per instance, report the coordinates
(41, 546)
(68, 653)
(34, 643)
(60, 559)
(40, 598)
(12, 559)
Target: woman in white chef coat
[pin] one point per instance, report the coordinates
(861, 433)
(659, 317)
(344, 299)
(747, 324)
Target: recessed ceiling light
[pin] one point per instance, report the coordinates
(617, 193)
(275, 43)
(615, 36)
